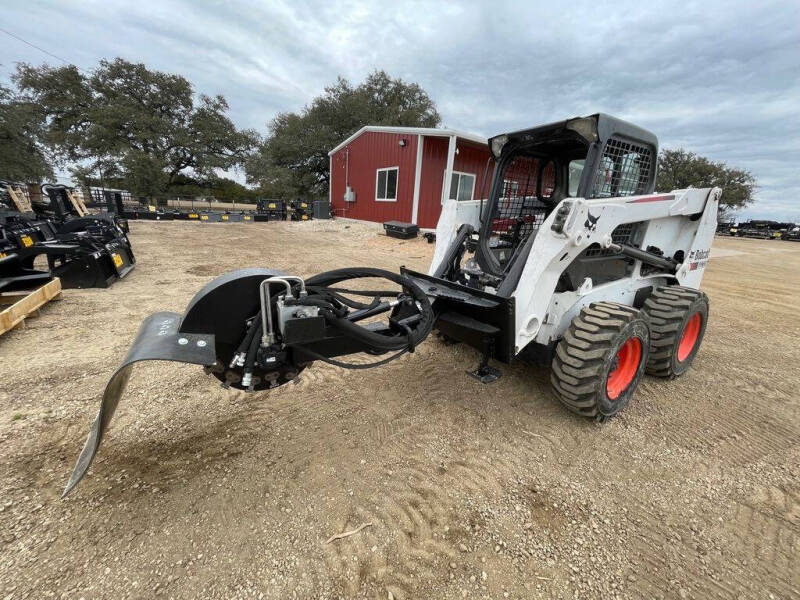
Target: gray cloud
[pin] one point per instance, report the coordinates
(719, 78)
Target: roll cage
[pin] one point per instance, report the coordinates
(537, 168)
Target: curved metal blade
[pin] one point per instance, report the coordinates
(158, 339)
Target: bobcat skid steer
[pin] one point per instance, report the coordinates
(571, 261)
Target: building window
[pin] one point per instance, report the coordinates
(462, 186)
(386, 185)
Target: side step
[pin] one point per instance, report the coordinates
(483, 320)
(477, 334)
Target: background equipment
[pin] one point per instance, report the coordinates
(104, 251)
(83, 250)
(403, 231)
(271, 210)
(300, 210)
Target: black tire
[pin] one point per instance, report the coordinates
(669, 311)
(586, 361)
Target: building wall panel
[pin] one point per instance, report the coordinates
(470, 159)
(377, 150)
(366, 154)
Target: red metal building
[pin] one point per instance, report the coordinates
(405, 173)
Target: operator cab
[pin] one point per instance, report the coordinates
(597, 156)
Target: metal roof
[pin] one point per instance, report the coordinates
(429, 131)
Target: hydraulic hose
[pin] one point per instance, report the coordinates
(404, 337)
(251, 330)
(250, 358)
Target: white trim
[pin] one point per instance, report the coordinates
(430, 131)
(474, 179)
(396, 183)
(417, 178)
(451, 155)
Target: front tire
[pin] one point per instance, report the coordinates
(600, 360)
(677, 317)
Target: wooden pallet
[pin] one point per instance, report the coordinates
(20, 199)
(77, 203)
(18, 306)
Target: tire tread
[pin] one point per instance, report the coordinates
(665, 309)
(579, 356)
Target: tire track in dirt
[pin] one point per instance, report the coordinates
(743, 437)
(773, 544)
(402, 548)
(423, 499)
(781, 503)
(658, 547)
(766, 549)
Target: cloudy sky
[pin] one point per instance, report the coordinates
(720, 78)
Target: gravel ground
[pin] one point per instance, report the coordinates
(471, 491)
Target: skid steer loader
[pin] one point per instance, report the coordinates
(572, 261)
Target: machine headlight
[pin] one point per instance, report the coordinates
(498, 143)
(586, 127)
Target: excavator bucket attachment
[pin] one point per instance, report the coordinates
(158, 339)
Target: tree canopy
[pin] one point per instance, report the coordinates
(145, 127)
(679, 169)
(293, 159)
(22, 155)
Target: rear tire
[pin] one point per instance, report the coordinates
(677, 317)
(600, 360)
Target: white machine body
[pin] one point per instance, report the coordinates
(678, 221)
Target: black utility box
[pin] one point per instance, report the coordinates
(398, 229)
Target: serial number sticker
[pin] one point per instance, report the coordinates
(204, 218)
(117, 260)
(224, 217)
(26, 241)
(192, 215)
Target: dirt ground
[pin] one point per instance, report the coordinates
(475, 491)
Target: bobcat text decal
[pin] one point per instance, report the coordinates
(698, 259)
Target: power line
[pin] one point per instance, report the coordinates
(24, 41)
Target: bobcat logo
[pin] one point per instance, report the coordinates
(591, 222)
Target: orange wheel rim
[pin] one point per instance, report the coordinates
(628, 359)
(689, 338)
